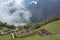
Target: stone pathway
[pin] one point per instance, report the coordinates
(41, 32)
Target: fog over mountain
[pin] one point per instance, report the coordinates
(44, 9)
(14, 12)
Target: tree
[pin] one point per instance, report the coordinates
(26, 26)
(3, 24)
(37, 26)
(20, 27)
(10, 26)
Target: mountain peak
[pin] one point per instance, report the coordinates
(33, 2)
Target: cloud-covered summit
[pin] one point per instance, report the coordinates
(33, 2)
(14, 12)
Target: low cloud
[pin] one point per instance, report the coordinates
(14, 12)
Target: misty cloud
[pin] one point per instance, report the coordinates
(14, 12)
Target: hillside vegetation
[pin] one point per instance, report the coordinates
(37, 37)
(53, 27)
(6, 37)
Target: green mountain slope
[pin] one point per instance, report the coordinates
(53, 27)
(37, 37)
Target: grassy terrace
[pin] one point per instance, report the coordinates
(33, 37)
(36, 37)
(53, 27)
(6, 37)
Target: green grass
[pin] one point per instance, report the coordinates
(53, 27)
(49, 38)
(37, 37)
(6, 37)
(33, 37)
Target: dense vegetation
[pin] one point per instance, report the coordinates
(2, 25)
